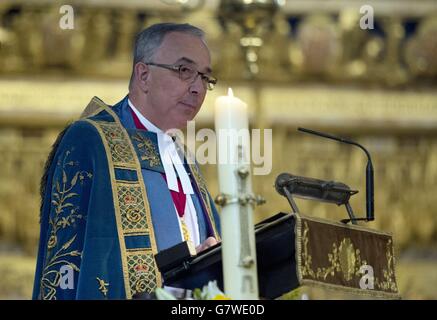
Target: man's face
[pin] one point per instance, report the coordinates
(171, 100)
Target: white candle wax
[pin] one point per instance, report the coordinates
(232, 127)
(230, 112)
(238, 240)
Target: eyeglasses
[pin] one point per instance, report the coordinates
(187, 73)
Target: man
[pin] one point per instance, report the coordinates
(116, 190)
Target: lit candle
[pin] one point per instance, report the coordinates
(238, 237)
(232, 127)
(231, 113)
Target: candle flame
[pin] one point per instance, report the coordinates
(230, 92)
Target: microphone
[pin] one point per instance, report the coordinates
(313, 189)
(369, 171)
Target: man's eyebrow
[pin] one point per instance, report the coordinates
(188, 60)
(185, 59)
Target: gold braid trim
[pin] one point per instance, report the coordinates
(131, 205)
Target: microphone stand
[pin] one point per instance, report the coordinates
(290, 199)
(370, 216)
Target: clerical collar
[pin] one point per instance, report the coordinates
(146, 123)
(169, 156)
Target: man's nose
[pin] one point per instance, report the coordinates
(197, 85)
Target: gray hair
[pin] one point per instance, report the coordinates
(150, 39)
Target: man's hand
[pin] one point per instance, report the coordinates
(211, 241)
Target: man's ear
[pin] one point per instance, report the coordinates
(141, 74)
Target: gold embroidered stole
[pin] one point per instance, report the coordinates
(131, 205)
